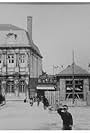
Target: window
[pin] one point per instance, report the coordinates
(22, 59)
(11, 58)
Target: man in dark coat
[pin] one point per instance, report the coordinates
(66, 117)
(45, 102)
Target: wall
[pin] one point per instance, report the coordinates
(32, 62)
(85, 88)
(36, 66)
(32, 65)
(62, 89)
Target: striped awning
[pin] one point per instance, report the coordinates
(45, 88)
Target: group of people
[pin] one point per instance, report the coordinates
(39, 101)
(62, 110)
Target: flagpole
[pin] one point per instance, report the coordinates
(73, 81)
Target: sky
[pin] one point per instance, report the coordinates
(57, 30)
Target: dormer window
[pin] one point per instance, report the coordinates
(11, 58)
(12, 34)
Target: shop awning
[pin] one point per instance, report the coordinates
(45, 88)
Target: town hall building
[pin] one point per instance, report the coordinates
(20, 61)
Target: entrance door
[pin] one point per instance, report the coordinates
(22, 89)
(10, 91)
(10, 87)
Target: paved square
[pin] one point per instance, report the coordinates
(20, 116)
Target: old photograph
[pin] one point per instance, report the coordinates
(44, 66)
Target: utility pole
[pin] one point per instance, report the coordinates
(73, 81)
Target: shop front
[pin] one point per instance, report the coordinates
(47, 87)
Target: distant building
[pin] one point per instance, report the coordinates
(65, 82)
(20, 61)
(47, 86)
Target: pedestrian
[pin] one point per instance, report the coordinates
(41, 105)
(45, 102)
(31, 101)
(66, 117)
(38, 101)
(25, 100)
(56, 105)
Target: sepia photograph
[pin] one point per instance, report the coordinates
(44, 66)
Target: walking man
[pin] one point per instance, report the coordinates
(66, 117)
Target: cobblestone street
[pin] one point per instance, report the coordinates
(20, 116)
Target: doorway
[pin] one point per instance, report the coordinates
(22, 87)
(10, 87)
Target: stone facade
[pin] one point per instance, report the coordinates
(20, 69)
(20, 61)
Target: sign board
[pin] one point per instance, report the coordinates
(45, 88)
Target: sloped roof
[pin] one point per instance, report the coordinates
(22, 38)
(7, 38)
(77, 71)
(8, 27)
(34, 46)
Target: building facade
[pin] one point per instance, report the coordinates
(20, 61)
(81, 83)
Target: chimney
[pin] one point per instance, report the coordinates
(29, 26)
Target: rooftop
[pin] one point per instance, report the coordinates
(77, 71)
(8, 27)
(12, 36)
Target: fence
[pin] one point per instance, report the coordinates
(54, 96)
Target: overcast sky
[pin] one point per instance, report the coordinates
(57, 30)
